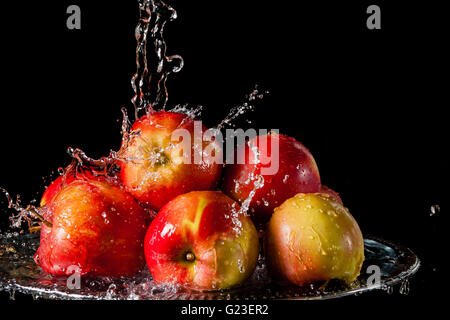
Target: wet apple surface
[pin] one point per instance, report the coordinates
(202, 240)
(311, 238)
(154, 168)
(297, 172)
(20, 274)
(95, 227)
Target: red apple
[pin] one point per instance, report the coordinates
(297, 172)
(202, 240)
(95, 226)
(312, 238)
(154, 168)
(60, 182)
(56, 186)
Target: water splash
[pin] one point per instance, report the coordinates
(81, 163)
(434, 209)
(12, 295)
(152, 70)
(192, 113)
(256, 179)
(111, 292)
(248, 105)
(30, 214)
(81, 166)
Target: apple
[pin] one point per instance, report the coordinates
(94, 225)
(312, 238)
(297, 172)
(64, 179)
(331, 192)
(154, 168)
(202, 240)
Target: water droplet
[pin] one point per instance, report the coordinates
(435, 209)
(332, 213)
(389, 289)
(241, 266)
(404, 288)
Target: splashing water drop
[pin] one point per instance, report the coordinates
(241, 266)
(111, 292)
(247, 105)
(258, 181)
(12, 294)
(30, 213)
(389, 289)
(435, 209)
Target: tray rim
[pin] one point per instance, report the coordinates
(402, 276)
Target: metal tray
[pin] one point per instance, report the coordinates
(19, 273)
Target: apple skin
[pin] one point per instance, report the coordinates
(208, 225)
(297, 172)
(57, 185)
(312, 238)
(331, 192)
(96, 226)
(155, 184)
(70, 175)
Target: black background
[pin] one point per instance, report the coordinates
(369, 104)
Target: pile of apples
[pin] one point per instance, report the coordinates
(199, 236)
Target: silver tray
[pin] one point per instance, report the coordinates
(19, 273)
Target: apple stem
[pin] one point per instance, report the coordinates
(34, 229)
(190, 257)
(324, 285)
(39, 216)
